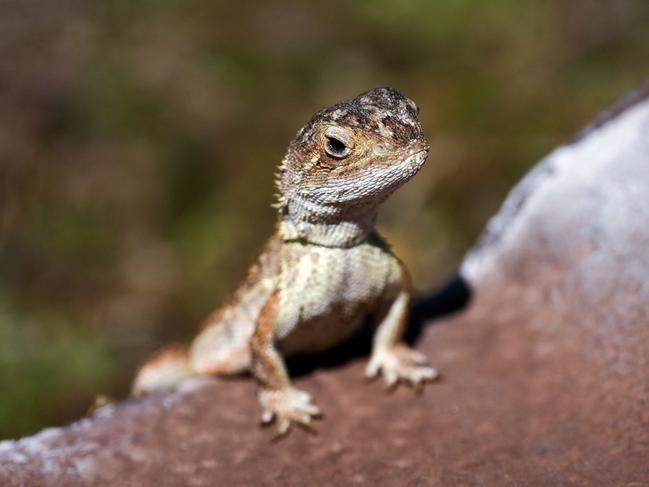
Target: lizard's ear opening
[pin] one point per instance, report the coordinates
(338, 143)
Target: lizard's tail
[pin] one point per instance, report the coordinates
(164, 370)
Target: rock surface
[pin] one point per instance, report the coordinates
(546, 374)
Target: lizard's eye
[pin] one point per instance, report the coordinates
(338, 142)
(336, 148)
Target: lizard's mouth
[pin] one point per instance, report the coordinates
(412, 163)
(389, 178)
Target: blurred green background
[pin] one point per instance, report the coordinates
(138, 142)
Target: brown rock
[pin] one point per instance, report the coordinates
(546, 374)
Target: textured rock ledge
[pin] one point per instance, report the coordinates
(546, 374)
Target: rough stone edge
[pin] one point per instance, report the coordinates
(47, 453)
(498, 225)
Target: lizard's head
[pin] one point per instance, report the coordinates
(354, 154)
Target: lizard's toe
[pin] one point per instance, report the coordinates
(391, 378)
(283, 427)
(267, 417)
(419, 374)
(373, 368)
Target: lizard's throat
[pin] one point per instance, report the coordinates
(325, 225)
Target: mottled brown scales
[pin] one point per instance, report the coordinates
(325, 269)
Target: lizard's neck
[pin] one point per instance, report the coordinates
(325, 225)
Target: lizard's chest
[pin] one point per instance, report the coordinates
(325, 293)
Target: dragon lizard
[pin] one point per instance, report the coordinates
(325, 269)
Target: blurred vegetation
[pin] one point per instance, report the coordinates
(139, 140)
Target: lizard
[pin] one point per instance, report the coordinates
(324, 269)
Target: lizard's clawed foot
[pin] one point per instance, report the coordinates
(287, 406)
(400, 363)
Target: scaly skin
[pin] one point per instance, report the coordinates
(325, 268)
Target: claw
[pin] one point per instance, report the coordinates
(372, 370)
(267, 417)
(308, 425)
(429, 374)
(283, 427)
(391, 378)
(312, 410)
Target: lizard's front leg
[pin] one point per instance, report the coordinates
(279, 400)
(396, 360)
